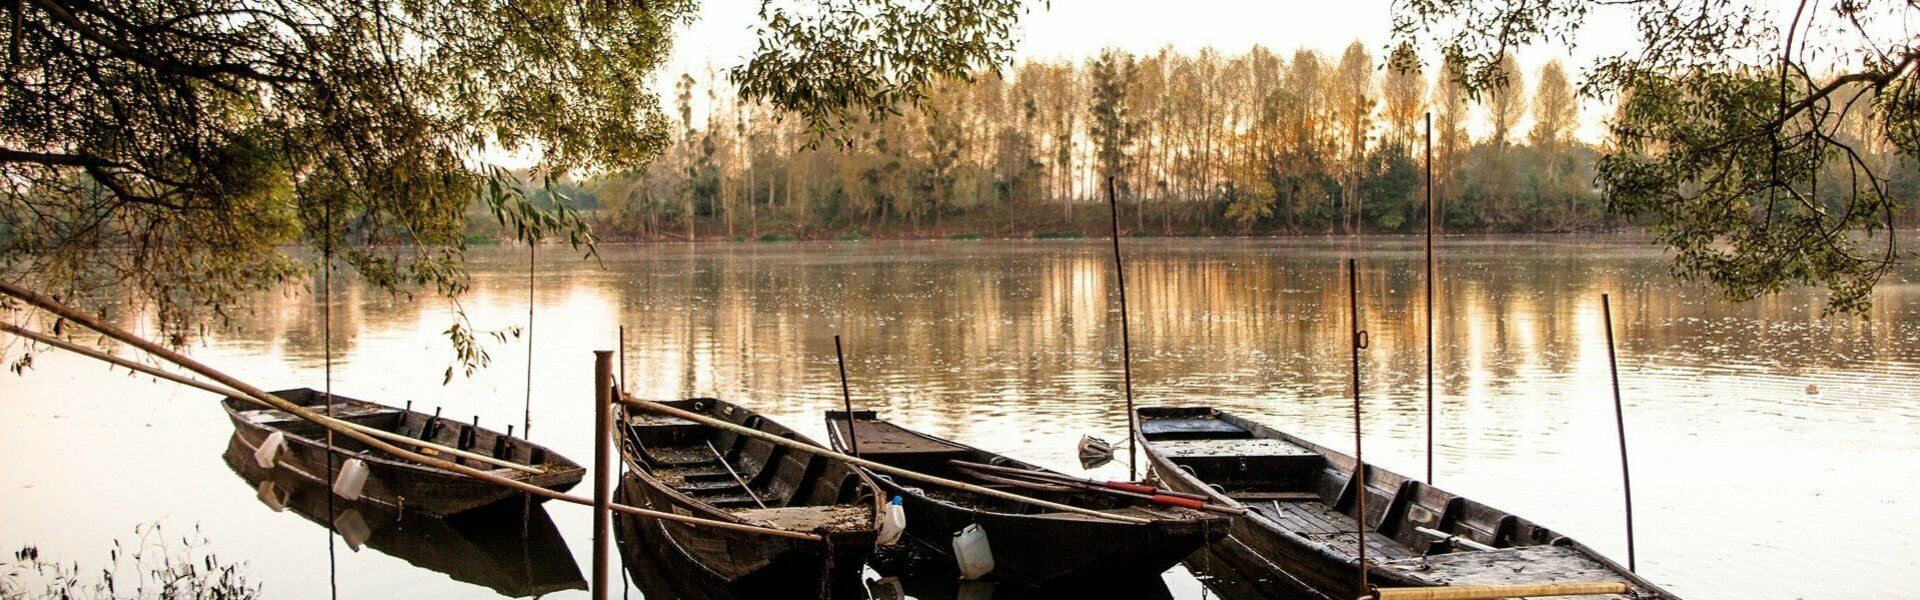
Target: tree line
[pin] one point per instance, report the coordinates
(1201, 143)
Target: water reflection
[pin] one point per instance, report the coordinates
(511, 549)
(1763, 416)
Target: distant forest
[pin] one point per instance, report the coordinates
(1201, 144)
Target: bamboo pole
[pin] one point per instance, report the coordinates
(1126, 344)
(195, 383)
(1357, 342)
(1429, 313)
(602, 467)
(1620, 426)
(870, 465)
(88, 321)
(1497, 592)
(839, 358)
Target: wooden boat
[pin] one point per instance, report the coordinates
(484, 547)
(676, 465)
(1299, 529)
(1029, 544)
(391, 481)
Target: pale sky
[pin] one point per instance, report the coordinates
(1075, 29)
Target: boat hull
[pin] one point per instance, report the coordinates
(392, 482)
(1039, 548)
(688, 468)
(1299, 533)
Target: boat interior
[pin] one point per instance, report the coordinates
(430, 428)
(748, 477)
(1312, 491)
(895, 446)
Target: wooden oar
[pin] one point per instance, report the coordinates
(225, 391)
(58, 308)
(868, 464)
(1062, 477)
(1157, 496)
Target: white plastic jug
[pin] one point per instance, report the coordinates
(352, 527)
(352, 479)
(269, 450)
(970, 549)
(893, 524)
(271, 495)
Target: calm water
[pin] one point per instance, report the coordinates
(1775, 451)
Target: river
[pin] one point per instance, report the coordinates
(1774, 450)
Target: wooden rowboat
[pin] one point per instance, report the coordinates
(509, 548)
(676, 465)
(1299, 529)
(397, 483)
(1028, 544)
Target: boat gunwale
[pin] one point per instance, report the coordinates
(556, 469)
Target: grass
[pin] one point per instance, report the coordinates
(1058, 235)
(965, 235)
(776, 237)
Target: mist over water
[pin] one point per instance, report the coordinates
(1773, 449)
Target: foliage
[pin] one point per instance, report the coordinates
(836, 62)
(1729, 126)
(180, 153)
(149, 566)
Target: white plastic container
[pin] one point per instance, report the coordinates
(353, 528)
(271, 495)
(971, 551)
(269, 451)
(893, 524)
(351, 480)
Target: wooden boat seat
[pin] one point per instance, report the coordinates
(836, 517)
(1509, 566)
(1192, 429)
(343, 411)
(1234, 448)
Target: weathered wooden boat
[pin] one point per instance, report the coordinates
(1301, 521)
(509, 548)
(676, 465)
(1028, 544)
(391, 481)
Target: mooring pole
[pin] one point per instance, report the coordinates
(1430, 215)
(1358, 342)
(602, 467)
(853, 441)
(1126, 344)
(1620, 426)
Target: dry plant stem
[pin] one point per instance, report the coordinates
(88, 321)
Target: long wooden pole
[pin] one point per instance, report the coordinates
(602, 467)
(195, 383)
(853, 440)
(1126, 343)
(262, 397)
(1620, 426)
(1358, 341)
(1496, 592)
(1430, 218)
(868, 464)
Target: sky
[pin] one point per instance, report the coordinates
(1076, 29)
